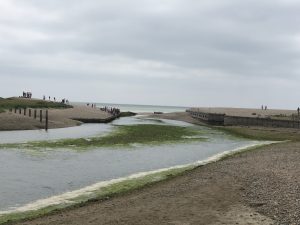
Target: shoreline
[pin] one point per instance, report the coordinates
(69, 199)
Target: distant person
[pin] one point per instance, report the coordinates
(266, 108)
(262, 107)
(49, 98)
(54, 99)
(44, 97)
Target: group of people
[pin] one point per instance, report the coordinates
(26, 94)
(264, 107)
(92, 105)
(111, 110)
(64, 101)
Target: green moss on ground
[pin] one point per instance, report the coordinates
(122, 136)
(11, 103)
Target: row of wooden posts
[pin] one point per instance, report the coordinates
(33, 112)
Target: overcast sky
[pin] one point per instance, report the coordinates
(165, 52)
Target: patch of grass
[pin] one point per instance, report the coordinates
(122, 136)
(10, 103)
(271, 134)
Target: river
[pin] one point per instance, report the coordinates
(29, 175)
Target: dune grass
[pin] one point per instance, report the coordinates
(124, 135)
(10, 103)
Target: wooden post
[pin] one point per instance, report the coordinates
(20, 110)
(41, 115)
(15, 110)
(29, 112)
(35, 114)
(46, 125)
(24, 111)
(298, 110)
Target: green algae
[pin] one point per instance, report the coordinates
(101, 194)
(122, 136)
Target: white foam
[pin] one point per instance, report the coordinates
(89, 190)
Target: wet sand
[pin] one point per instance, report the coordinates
(58, 118)
(255, 187)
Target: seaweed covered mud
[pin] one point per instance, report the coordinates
(123, 135)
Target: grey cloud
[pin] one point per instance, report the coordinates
(171, 46)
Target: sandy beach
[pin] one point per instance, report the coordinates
(58, 118)
(256, 187)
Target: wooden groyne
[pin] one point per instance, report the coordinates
(23, 111)
(226, 120)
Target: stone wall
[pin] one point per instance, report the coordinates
(210, 118)
(224, 120)
(262, 122)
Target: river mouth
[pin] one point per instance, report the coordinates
(27, 176)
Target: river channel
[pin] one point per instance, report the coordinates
(29, 175)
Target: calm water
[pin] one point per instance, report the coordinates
(140, 108)
(27, 175)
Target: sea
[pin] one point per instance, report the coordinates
(138, 108)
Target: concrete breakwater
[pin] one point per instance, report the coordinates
(228, 120)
